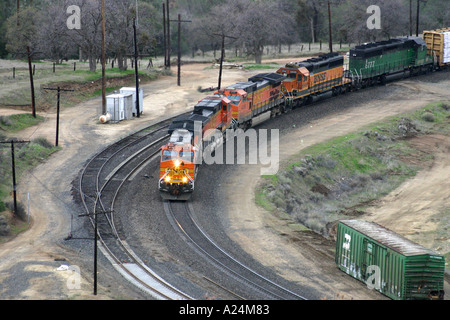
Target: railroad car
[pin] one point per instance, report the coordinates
(438, 45)
(388, 262)
(252, 99)
(179, 164)
(312, 77)
(246, 104)
(371, 63)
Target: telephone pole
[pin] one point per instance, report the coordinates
(329, 27)
(103, 60)
(57, 109)
(95, 214)
(13, 165)
(168, 33)
(165, 35)
(30, 70)
(136, 75)
(417, 18)
(222, 56)
(179, 48)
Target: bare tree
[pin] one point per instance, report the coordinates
(88, 37)
(254, 24)
(54, 40)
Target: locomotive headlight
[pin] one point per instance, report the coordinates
(185, 179)
(177, 163)
(167, 179)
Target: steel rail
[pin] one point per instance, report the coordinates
(226, 265)
(138, 272)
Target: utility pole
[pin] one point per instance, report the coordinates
(222, 56)
(168, 34)
(410, 17)
(136, 75)
(57, 110)
(30, 70)
(12, 142)
(18, 9)
(103, 59)
(179, 48)
(95, 214)
(165, 36)
(329, 27)
(417, 18)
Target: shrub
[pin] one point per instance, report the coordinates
(43, 142)
(428, 116)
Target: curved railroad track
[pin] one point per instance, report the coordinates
(182, 217)
(100, 182)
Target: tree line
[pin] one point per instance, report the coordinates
(247, 25)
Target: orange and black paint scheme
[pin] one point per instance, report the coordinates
(312, 77)
(262, 93)
(180, 157)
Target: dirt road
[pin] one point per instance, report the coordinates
(28, 263)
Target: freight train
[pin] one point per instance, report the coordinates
(245, 104)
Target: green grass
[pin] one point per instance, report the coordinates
(267, 65)
(26, 157)
(18, 122)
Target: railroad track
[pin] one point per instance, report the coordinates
(182, 217)
(100, 183)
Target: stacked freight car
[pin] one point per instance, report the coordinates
(438, 45)
(390, 263)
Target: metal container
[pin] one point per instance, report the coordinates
(119, 106)
(388, 262)
(132, 90)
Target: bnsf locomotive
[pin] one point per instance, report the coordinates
(245, 104)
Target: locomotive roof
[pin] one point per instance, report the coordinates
(388, 238)
(246, 86)
(270, 77)
(380, 47)
(332, 58)
(187, 121)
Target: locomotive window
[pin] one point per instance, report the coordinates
(168, 155)
(235, 99)
(187, 155)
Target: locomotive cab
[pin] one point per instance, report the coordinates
(241, 104)
(178, 167)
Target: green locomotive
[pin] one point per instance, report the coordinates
(371, 63)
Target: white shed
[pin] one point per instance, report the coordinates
(141, 98)
(120, 106)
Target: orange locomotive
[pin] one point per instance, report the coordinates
(312, 77)
(251, 100)
(239, 105)
(180, 157)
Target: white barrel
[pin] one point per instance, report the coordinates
(105, 118)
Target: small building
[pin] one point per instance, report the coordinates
(119, 106)
(132, 90)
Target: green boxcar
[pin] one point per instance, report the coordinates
(376, 60)
(388, 262)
